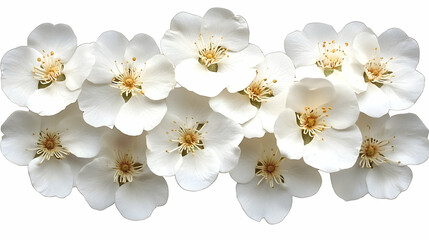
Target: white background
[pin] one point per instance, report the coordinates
(213, 213)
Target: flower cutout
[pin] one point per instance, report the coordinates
(319, 51)
(128, 84)
(266, 180)
(211, 53)
(389, 145)
(54, 148)
(192, 142)
(119, 174)
(385, 68)
(319, 125)
(46, 76)
(258, 105)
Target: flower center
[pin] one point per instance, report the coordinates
(210, 53)
(331, 56)
(128, 79)
(126, 168)
(312, 121)
(49, 71)
(372, 152)
(268, 168)
(49, 145)
(376, 72)
(189, 137)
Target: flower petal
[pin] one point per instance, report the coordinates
(17, 79)
(51, 178)
(261, 201)
(198, 171)
(350, 30)
(335, 150)
(51, 100)
(138, 114)
(137, 199)
(300, 49)
(253, 128)
(288, 135)
(234, 106)
(388, 181)
(310, 92)
(345, 108)
(76, 164)
(373, 101)
(350, 184)
(142, 47)
(58, 38)
(319, 32)
(80, 65)
(301, 180)
(270, 110)
(100, 103)
(365, 45)
(220, 22)
(251, 150)
(21, 132)
(158, 78)
(95, 182)
(390, 39)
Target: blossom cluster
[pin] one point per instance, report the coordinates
(114, 117)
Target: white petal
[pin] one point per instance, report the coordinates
(198, 171)
(95, 182)
(353, 71)
(80, 65)
(178, 42)
(350, 30)
(278, 66)
(404, 89)
(239, 68)
(261, 201)
(253, 128)
(142, 47)
(335, 150)
(350, 184)
(300, 49)
(390, 39)
(235, 106)
(387, 181)
(220, 22)
(301, 180)
(52, 99)
(21, 132)
(373, 101)
(79, 138)
(288, 135)
(251, 150)
(100, 103)
(319, 32)
(310, 92)
(76, 164)
(345, 108)
(376, 127)
(365, 45)
(410, 141)
(136, 200)
(180, 100)
(138, 114)
(51, 178)
(406, 52)
(158, 78)
(195, 77)
(223, 137)
(17, 79)
(59, 38)
(270, 110)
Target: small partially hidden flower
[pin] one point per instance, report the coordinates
(119, 174)
(211, 53)
(389, 145)
(46, 76)
(192, 142)
(54, 148)
(266, 180)
(127, 85)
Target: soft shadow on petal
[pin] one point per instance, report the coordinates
(388, 181)
(350, 184)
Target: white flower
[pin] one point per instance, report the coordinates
(211, 52)
(389, 145)
(119, 174)
(46, 75)
(258, 105)
(319, 51)
(192, 142)
(319, 125)
(53, 147)
(385, 68)
(266, 180)
(128, 84)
